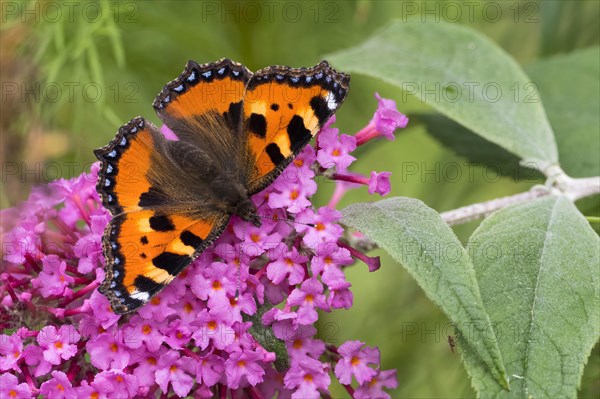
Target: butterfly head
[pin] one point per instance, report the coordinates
(247, 212)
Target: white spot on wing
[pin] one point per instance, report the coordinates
(140, 295)
(331, 103)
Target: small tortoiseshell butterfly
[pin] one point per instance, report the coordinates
(170, 199)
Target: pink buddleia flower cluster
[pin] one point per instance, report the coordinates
(240, 320)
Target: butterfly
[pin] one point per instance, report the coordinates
(171, 199)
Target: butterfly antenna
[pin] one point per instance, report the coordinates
(285, 220)
(239, 270)
(280, 219)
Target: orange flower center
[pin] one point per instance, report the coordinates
(320, 226)
(12, 393)
(309, 298)
(294, 194)
(179, 335)
(173, 368)
(58, 345)
(212, 325)
(373, 382)
(355, 361)
(114, 347)
(151, 360)
(216, 285)
(308, 378)
(146, 329)
(336, 152)
(289, 262)
(94, 395)
(255, 237)
(17, 354)
(155, 301)
(60, 387)
(328, 260)
(232, 301)
(183, 274)
(241, 363)
(119, 378)
(298, 162)
(188, 307)
(297, 344)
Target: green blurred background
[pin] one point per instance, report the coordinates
(73, 73)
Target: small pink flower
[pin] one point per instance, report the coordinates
(319, 228)
(355, 361)
(288, 263)
(118, 383)
(386, 120)
(103, 313)
(242, 366)
(58, 387)
(11, 351)
(380, 183)
(335, 149)
(52, 280)
(58, 345)
(292, 196)
(374, 388)
(10, 387)
(143, 331)
(175, 370)
(306, 377)
(213, 326)
(107, 351)
(308, 297)
(210, 370)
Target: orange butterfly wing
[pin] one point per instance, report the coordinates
(283, 109)
(146, 244)
(230, 123)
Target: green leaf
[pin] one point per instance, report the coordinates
(476, 149)
(537, 265)
(569, 87)
(417, 237)
(463, 75)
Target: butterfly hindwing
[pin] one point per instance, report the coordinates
(146, 250)
(154, 233)
(283, 109)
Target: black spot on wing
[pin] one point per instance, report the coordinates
(145, 284)
(234, 115)
(275, 107)
(258, 125)
(152, 198)
(298, 133)
(190, 239)
(319, 107)
(172, 263)
(161, 223)
(275, 153)
(144, 240)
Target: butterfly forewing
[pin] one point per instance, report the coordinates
(283, 109)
